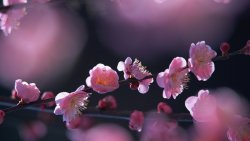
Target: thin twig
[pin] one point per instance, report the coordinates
(228, 56)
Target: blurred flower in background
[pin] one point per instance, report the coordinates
(158, 127)
(32, 131)
(102, 132)
(219, 113)
(44, 47)
(139, 28)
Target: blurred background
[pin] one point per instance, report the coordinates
(58, 42)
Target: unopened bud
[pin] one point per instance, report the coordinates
(224, 47)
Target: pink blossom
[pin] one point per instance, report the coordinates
(103, 79)
(12, 2)
(135, 70)
(136, 120)
(164, 108)
(2, 115)
(174, 79)
(203, 108)
(200, 61)
(27, 92)
(239, 130)
(71, 104)
(107, 103)
(48, 95)
(11, 19)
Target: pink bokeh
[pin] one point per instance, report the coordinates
(43, 47)
(158, 27)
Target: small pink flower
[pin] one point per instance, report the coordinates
(12, 2)
(136, 120)
(164, 108)
(103, 79)
(174, 79)
(135, 70)
(239, 130)
(203, 108)
(2, 115)
(200, 61)
(107, 103)
(48, 95)
(71, 104)
(27, 92)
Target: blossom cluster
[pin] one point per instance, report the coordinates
(102, 79)
(205, 109)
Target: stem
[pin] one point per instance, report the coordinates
(99, 113)
(24, 105)
(228, 56)
(96, 113)
(87, 89)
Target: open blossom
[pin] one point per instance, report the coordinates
(203, 108)
(11, 19)
(174, 79)
(71, 104)
(136, 120)
(2, 114)
(200, 61)
(12, 2)
(135, 70)
(27, 92)
(239, 129)
(103, 79)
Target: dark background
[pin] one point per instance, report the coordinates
(233, 73)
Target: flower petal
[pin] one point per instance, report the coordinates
(143, 88)
(61, 96)
(189, 103)
(160, 79)
(121, 66)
